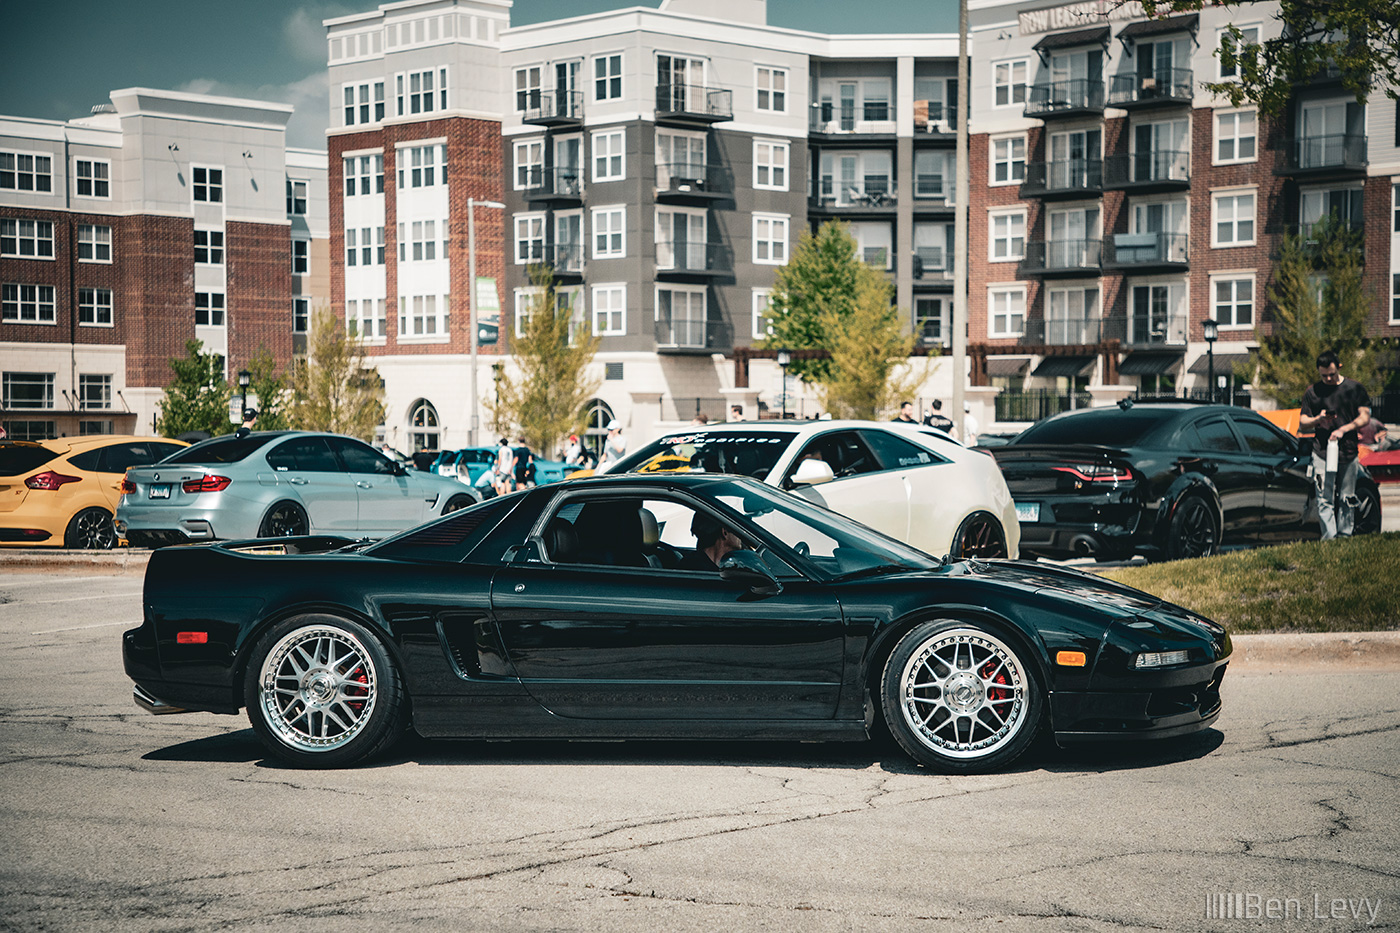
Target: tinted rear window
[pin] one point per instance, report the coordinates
(221, 449)
(21, 458)
(748, 453)
(1109, 427)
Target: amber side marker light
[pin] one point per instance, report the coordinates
(1071, 658)
(192, 638)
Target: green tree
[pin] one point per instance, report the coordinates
(1319, 303)
(334, 388)
(197, 399)
(866, 346)
(816, 286)
(1358, 40)
(270, 389)
(546, 392)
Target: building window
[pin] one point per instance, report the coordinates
(1235, 136)
(527, 88)
(930, 321)
(1006, 311)
(352, 249)
(770, 239)
(418, 241)
(529, 164)
(1008, 160)
(423, 426)
(1234, 219)
(770, 165)
(22, 171)
(296, 197)
(1234, 302)
(364, 103)
(100, 426)
(1009, 82)
(421, 91)
(1395, 299)
(1008, 233)
(209, 308)
(93, 178)
(26, 239)
(608, 226)
(1072, 316)
(367, 318)
(1395, 208)
(95, 307)
(607, 156)
(1249, 36)
(364, 174)
(94, 243)
(301, 257)
(607, 77)
(762, 302)
(27, 304)
(931, 171)
(418, 166)
(681, 317)
(209, 247)
(94, 392)
(301, 315)
(422, 315)
(28, 390)
(610, 310)
(771, 89)
(208, 184)
(529, 238)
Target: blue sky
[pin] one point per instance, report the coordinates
(58, 59)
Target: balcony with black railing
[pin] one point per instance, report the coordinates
(1162, 87)
(1062, 257)
(687, 181)
(935, 117)
(1073, 97)
(553, 184)
(1148, 171)
(565, 260)
(1318, 155)
(1076, 330)
(1154, 328)
(932, 265)
(688, 332)
(685, 259)
(875, 194)
(693, 103)
(554, 108)
(849, 120)
(1062, 178)
(1145, 252)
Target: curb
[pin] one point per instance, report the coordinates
(118, 560)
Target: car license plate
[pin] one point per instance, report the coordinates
(159, 491)
(1028, 511)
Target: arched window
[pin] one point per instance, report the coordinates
(596, 427)
(423, 426)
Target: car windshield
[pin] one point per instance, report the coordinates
(221, 449)
(836, 544)
(746, 453)
(1111, 426)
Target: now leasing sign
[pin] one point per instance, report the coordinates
(1077, 16)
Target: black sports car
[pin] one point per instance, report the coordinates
(593, 610)
(1168, 480)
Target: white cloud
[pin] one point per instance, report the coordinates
(303, 33)
(308, 96)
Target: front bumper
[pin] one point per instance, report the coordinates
(1168, 704)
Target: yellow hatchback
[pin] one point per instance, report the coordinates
(64, 492)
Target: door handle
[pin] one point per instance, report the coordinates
(298, 481)
(363, 485)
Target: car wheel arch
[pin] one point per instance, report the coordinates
(1190, 484)
(967, 516)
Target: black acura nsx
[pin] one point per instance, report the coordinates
(661, 607)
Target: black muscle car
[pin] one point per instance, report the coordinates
(591, 610)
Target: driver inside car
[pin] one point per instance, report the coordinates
(712, 542)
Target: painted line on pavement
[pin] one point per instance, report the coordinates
(77, 628)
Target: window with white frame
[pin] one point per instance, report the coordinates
(301, 315)
(301, 257)
(422, 166)
(26, 239)
(931, 320)
(770, 165)
(761, 304)
(94, 391)
(608, 162)
(358, 248)
(1009, 82)
(95, 307)
(1236, 136)
(681, 317)
(1008, 160)
(1395, 208)
(682, 237)
(609, 224)
(26, 171)
(1234, 218)
(296, 197)
(1008, 236)
(1006, 311)
(209, 247)
(418, 241)
(92, 178)
(27, 304)
(874, 243)
(363, 103)
(770, 239)
(527, 88)
(364, 174)
(1249, 36)
(529, 164)
(94, 243)
(933, 171)
(1072, 316)
(208, 184)
(610, 310)
(423, 315)
(526, 300)
(1233, 300)
(28, 390)
(209, 308)
(770, 89)
(529, 238)
(368, 318)
(421, 91)
(856, 178)
(607, 77)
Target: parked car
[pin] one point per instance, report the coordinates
(279, 483)
(913, 483)
(466, 465)
(569, 612)
(1164, 480)
(64, 492)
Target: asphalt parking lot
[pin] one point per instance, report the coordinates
(117, 820)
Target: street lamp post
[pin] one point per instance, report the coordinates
(784, 358)
(472, 204)
(1212, 331)
(244, 378)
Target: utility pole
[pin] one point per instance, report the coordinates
(957, 315)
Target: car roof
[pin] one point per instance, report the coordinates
(804, 427)
(65, 445)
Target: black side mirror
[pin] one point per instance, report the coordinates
(747, 568)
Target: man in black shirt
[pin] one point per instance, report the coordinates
(906, 413)
(1336, 408)
(936, 419)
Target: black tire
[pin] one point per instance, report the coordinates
(457, 503)
(323, 692)
(1194, 531)
(90, 530)
(284, 520)
(1366, 519)
(961, 699)
(981, 536)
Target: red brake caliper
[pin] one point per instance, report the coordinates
(996, 693)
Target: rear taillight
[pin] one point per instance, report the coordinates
(1098, 473)
(50, 480)
(128, 487)
(206, 484)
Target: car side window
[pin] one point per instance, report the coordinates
(1216, 437)
(160, 451)
(896, 453)
(360, 458)
(1264, 439)
(117, 457)
(303, 454)
(844, 451)
(89, 460)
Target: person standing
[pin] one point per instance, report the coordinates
(935, 418)
(906, 414)
(1336, 408)
(970, 426)
(615, 447)
(249, 417)
(524, 464)
(505, 467)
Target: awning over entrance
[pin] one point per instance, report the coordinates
(1064, 366)
(1065, 40)
(1148, 363)
(1158, 27)
(1224, 363)
(1007, 365)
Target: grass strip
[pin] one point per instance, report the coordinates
(1344, 585)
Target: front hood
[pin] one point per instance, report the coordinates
(1115, 598)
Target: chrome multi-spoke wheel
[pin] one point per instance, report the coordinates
(959, 698)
